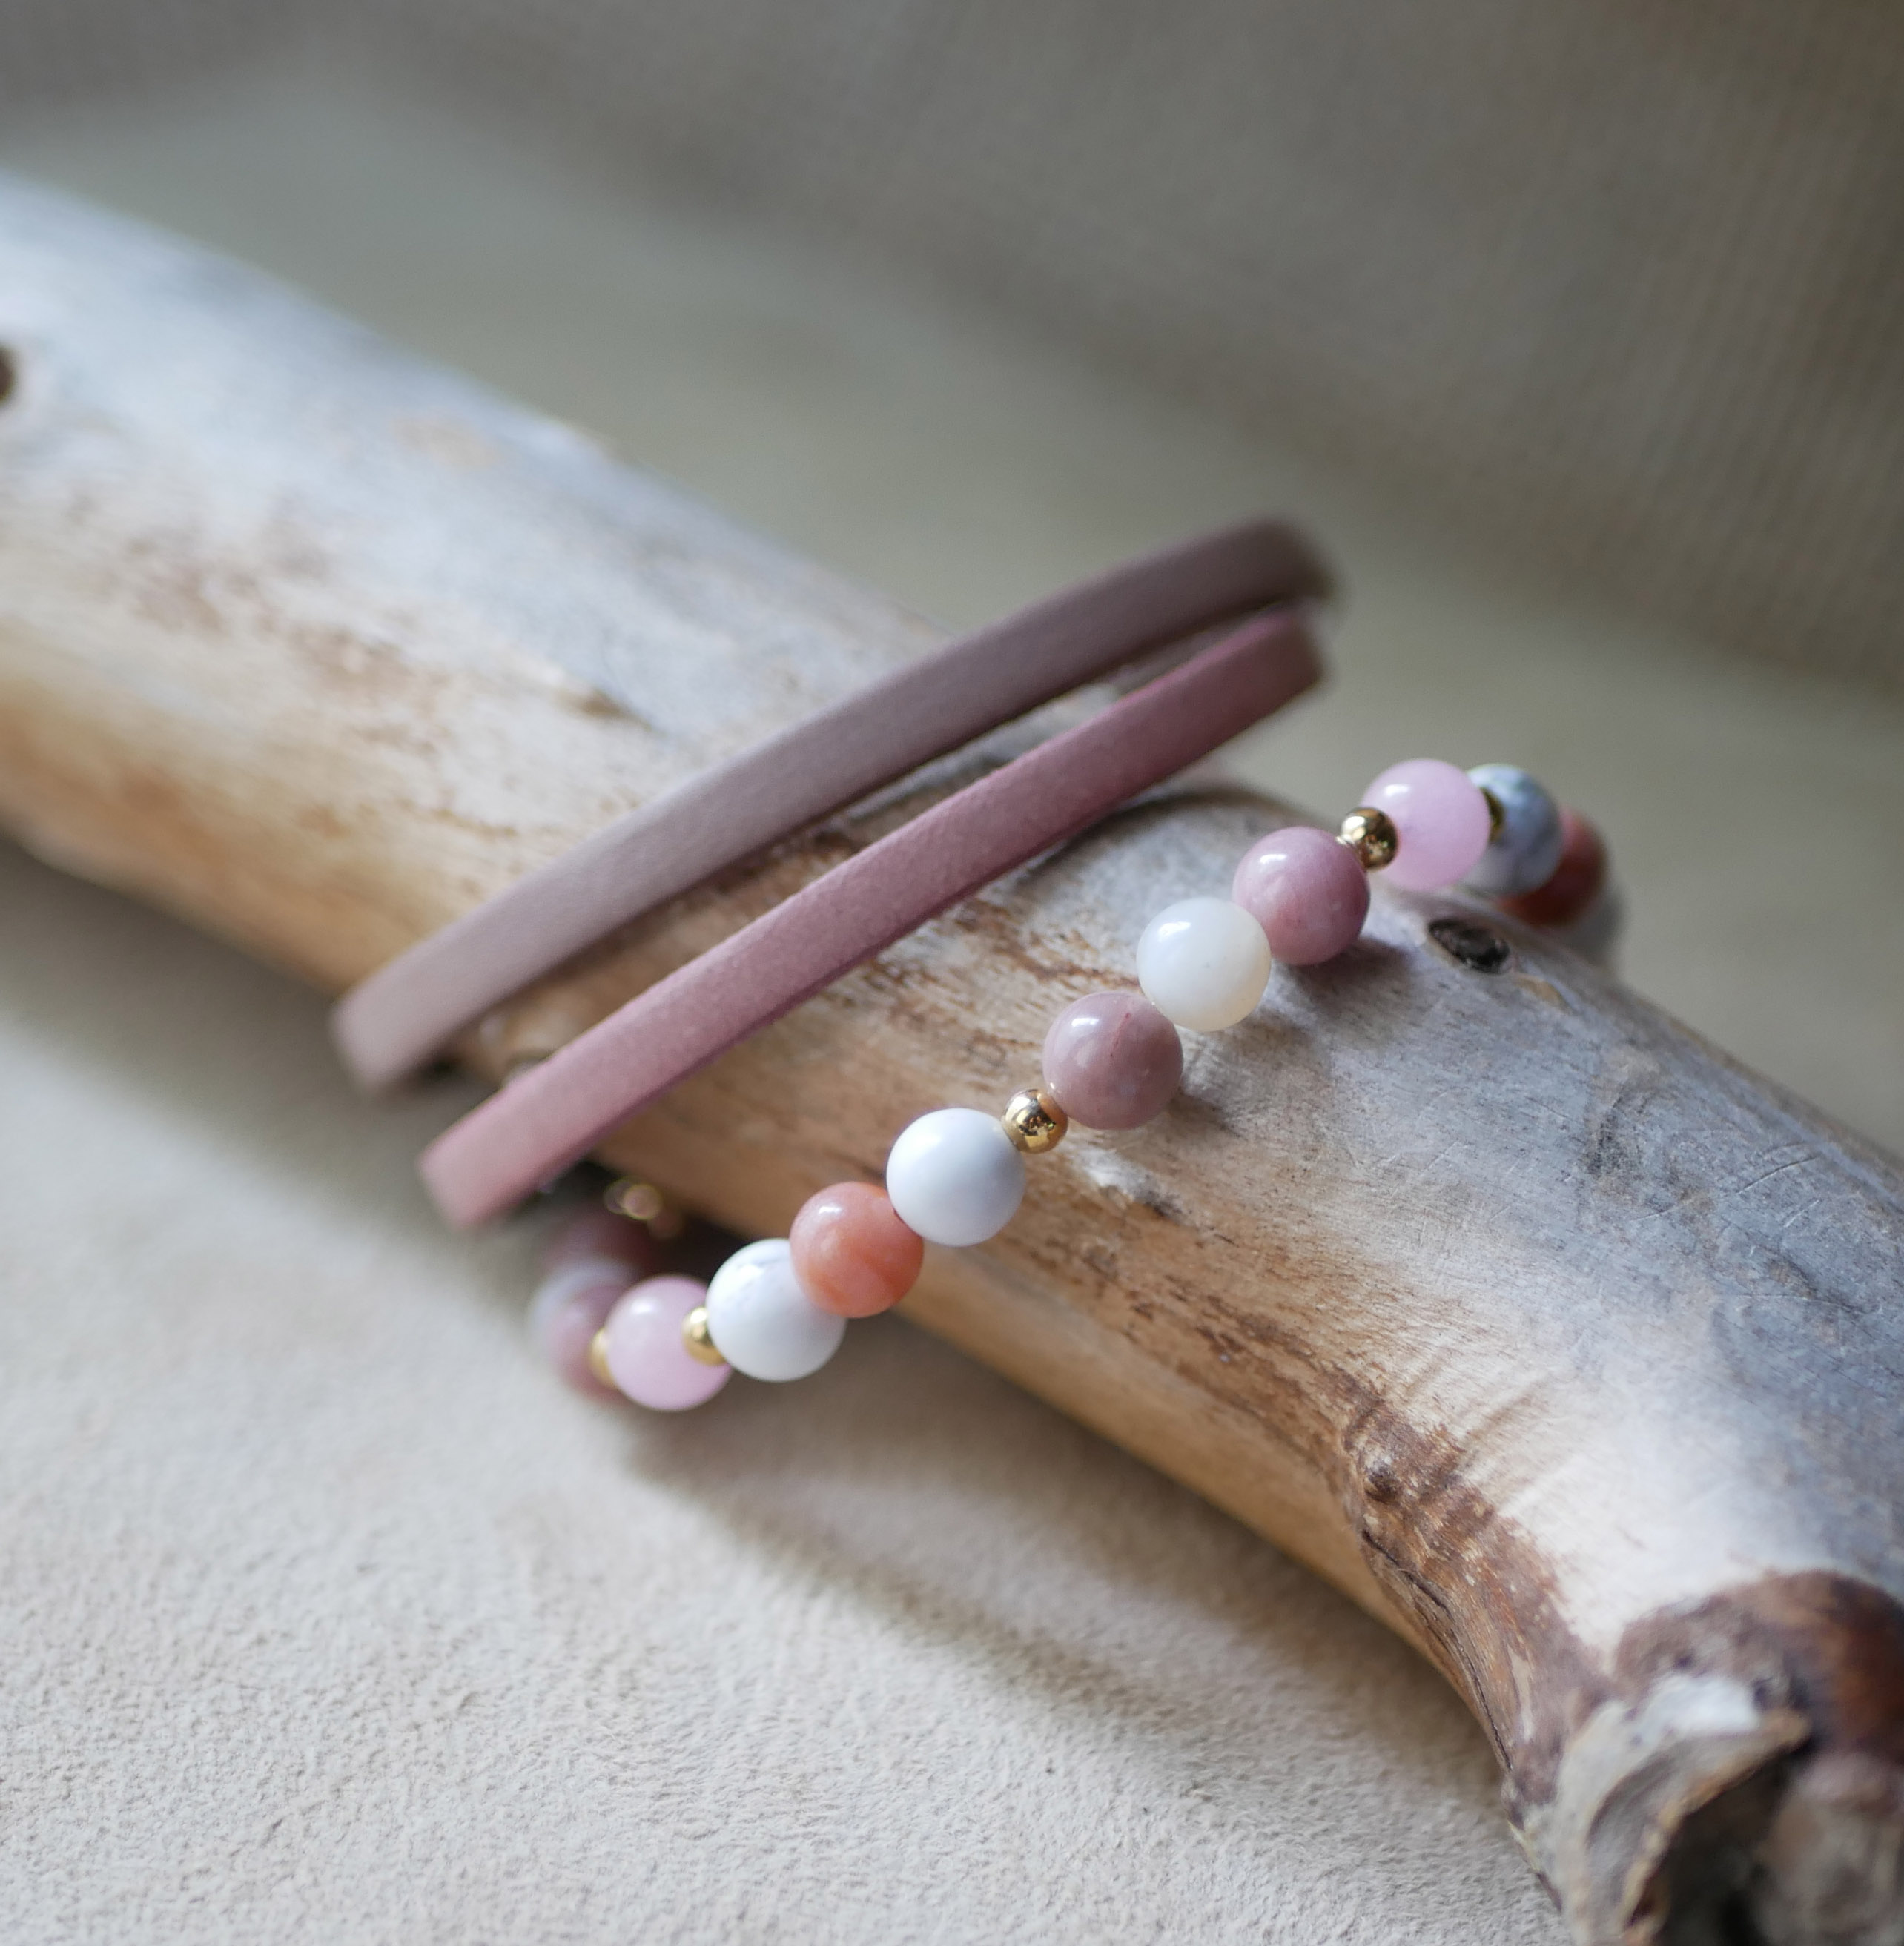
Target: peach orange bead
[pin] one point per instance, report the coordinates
(852, 1254)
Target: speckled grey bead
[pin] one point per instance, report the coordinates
(1525, 851)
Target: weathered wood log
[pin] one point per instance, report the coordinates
(1566, 1347)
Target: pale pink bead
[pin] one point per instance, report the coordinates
(600, 1233)
(1113, 1061)
(571, 1305)
(1440, 817)
(646, 1357)
(1307, 890)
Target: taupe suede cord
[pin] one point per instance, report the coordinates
(552, 1116)
(404, 1013)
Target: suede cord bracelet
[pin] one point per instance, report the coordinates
(551, 1115)
(402, 1015)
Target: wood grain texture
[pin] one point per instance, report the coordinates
(1564, 1345)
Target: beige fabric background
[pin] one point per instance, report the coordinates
(1617, 283)
(326, 1616)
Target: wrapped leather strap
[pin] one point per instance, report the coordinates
(404, 1013)
(552, 1115)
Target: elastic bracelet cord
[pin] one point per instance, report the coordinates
(403, 1015)
(551, 1115)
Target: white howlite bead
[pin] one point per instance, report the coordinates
(1204, 963)
(955, 1176)
(760, 1320)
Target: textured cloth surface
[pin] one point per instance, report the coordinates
(326, 1616)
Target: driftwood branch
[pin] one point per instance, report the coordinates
(1563, 1345)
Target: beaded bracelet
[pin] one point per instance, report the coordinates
(551, 1115)
(404, 1012)
(777, 1309)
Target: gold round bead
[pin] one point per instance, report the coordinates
(1372, 835)
(694, 1336)
(1034, 1121)
(642, 1203)
(598, 1359)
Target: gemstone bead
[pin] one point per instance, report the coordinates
(1441, 817)
(762, 1322)
(850, 1253)
(955, 1177)
(1204, 963)
(1577, 880)
(1112, 1060)
(645, 1355)
(1308, 891)
(599, 1233)
(571, 1305)
(1524, 850)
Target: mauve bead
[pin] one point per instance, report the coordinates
(1113, 1061)
(1307, 890)
(601, 1234)
(1577, 880)
(646, 1357)
(1441, 818)
(852, 1254)
(571, 1305)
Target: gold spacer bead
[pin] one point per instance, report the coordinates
(1034, 1121)
(700, 1347)
(598, 1359)
(1372, 835)
(642, 1203)
(1497, 814)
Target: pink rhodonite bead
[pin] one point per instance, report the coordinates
(1440, 817)
(601, 1234)
(647, 1359)
(1113, 1061)
(851, 1255)
(1307, 890)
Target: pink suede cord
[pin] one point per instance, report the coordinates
(552, 1115)
(404, 1013)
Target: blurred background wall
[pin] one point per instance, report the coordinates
(1615, 284)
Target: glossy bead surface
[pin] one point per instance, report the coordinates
(954, 1177)
(1204, 963)
(1307, 891)
(1035, 1120)
(1577, 880)
(701, 1347)
(763, 1323)
(642, 1349)
(1524, 850)
(1112, 1060)
(571, 1305)
(1440, 816)
(850, 1253)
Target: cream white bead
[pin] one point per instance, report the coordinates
(760, 1320)
(1204, 963)
(955, 1177)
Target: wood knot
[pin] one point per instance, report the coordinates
(1471, 946)
(1380, 1482)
